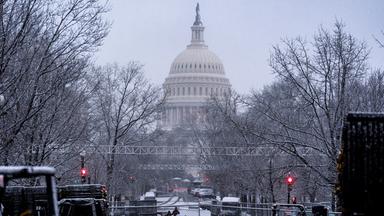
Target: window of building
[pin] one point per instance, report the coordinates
(194, 90)
(189, 90)
(178, 91)
(183, 91)
(201, 91)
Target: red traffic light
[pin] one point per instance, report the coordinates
(290, 180)
(131, 179)
(83, 172)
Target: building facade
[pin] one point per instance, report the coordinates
(195, 75)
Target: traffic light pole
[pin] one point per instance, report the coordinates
(82, 161)
(290, 180)
(82, 166)
(289, 193)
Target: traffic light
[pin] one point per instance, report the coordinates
(131, 179)
(83, 170)
(83, 174)
(290, 180)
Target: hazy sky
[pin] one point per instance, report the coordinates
(240, 32)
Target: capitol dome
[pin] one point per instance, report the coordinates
(195, 75)
(197, 60)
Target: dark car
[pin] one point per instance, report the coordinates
(83, 207)
(288, 209)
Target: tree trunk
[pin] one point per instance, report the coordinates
(110, 167)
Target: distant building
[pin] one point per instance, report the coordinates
(195, 75)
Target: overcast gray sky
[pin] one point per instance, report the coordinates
(240, 32)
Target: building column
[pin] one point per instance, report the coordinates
(178, 115)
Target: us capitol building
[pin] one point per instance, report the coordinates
(196, 75)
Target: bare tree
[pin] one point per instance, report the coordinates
(126, 106)
(320, 79)
(380, 41)
(45, 48)
(228, 124)
(372, 93)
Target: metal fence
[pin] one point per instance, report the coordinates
(204, 209)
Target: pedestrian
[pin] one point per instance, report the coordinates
(175, 212)
(168, 213)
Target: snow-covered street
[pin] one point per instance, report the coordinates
(185, 207)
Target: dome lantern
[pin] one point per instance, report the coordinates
(197, 30)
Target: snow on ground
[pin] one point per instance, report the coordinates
(161, 200)
(193, 212)
(173, 200)
(185, 208)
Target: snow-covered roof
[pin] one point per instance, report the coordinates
(27, 170)
(231, 199)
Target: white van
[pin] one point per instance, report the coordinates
(230, 206)
(149, 195)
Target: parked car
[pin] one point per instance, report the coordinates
(203, 192)
(206, 193)
(83, 206)
(194, 191)
(288, 209)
